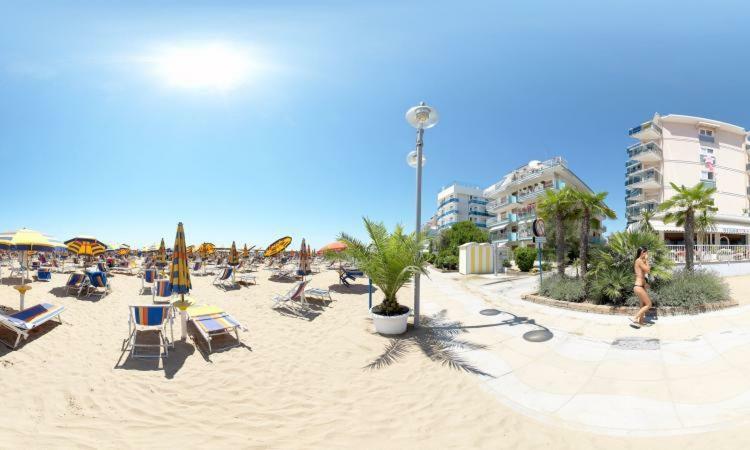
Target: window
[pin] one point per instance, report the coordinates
(706, 132)
(707, 151)
(707, 176)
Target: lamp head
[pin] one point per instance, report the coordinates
(411, 159)
(422, 116)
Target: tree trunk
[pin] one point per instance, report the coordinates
(584, 246)
(689, 242)
(560, 243)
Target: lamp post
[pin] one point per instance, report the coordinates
(420, 117)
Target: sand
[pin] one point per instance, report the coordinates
(296, 383)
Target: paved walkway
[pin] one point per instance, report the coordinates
(684, 374)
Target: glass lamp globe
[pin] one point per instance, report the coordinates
(422, 116)
(411, 159)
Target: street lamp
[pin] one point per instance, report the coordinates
(420, 117)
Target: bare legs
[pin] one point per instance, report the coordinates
(645, 304)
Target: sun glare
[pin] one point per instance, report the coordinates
(208, 66)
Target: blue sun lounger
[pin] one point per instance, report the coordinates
(22, 322)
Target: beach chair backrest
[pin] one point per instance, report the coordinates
(297, 290)
(149, 316)
(149, 275)
(197, 266)
(44, 274)
(101, 266)
(227, 273)
(163, 288)
(74, 280)
(98, 279)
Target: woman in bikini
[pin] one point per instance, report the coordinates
(641, 268)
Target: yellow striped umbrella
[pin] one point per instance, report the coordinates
(206, 249)
(278, 246)
(85, 246)
(25, 239)
(245, 252)
(234, 258)
(179, 274)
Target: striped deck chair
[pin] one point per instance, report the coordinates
(102, 267)
(97, 284)
(75, 282)
(224, 279)
(246, 278)
(216, 324)
(148, 278)
(21, 323)
(163, 292)
(323, 294)
(43, 275)
(294, 299)
(149, 318)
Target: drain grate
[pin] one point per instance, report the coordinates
(636, 343)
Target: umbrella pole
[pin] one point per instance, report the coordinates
(183, 318)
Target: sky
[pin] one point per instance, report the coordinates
(249, 121)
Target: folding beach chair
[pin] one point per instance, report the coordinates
(98, 284)
(224, 279)
(149, 318)
(163, 292)
(246, 278)
(211, 322)
(43, 275)
(294, 299)
(21, 323)
(75, 282)
(102, 267)
(323, 294)
(345, 275)
(148, 278)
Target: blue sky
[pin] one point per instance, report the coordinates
(95, 140)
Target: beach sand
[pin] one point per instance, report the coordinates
(296, 383)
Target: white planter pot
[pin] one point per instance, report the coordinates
(390, 324)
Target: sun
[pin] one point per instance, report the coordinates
(206, 66)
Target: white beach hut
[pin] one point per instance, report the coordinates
(475, 258)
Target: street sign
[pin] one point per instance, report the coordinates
(540, 239)
(538, 228)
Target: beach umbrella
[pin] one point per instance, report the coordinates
(245, 252)
(27, 240)
(332, 247)
(234, 257)
(309, 259)
(302, 268)
(206, 249)
(278, 246)
(86, 246)
(179, 275)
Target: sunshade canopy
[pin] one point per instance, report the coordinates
(278, 246)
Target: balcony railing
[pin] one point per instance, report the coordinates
(526, 173)
(446, 201)
(709, 183)
(478, 201)
(650, 178)
(705, 138)
(704, 156)
(648, 152)
(648, 130)
(531, 195)
(711, 253)
(637, 210)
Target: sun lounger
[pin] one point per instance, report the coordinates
(323, 294)
(149, 318)
(98, 284)
(21, 323)
(148, 278)
(43, 275)
(163, 292)
(294, 299)
(75, 282)
(345, 275)
(211, 322)
(224, 279)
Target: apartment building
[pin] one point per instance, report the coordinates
(513, 199)
(459, 203)
(687, 150)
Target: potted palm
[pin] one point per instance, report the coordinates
(390, 260)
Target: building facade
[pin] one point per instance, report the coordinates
(459, 203)
(687, 150)
(513, 199)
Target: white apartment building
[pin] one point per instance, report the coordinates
(688, 150)
(459, 203)
(513, 199)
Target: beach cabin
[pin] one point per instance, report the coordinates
(474, 258)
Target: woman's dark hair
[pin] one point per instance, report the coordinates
(640, 251)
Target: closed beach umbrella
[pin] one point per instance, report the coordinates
(332, 247)
(179, 275)
(234, 257)
(302, 268)
(245, 252)
(162, 254)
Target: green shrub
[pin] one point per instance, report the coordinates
(450, 262)
(563, 288)
(546, 266)
(506, 263)
(687, 289)
(525, 257)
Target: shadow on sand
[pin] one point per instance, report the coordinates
(357, 289)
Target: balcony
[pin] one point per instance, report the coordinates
(633, 194)
(648, 152)
(525, 173)
(705, 156)
(477, 201)
(646, 131)
(499, 203)
(709, 183)
(499, 222)
(647, 179)
(446, 201)
(705, 138)
(632, 166)
(531, 195)
(635, 211)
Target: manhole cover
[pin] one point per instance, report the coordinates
(538, 335)
(637, 343)
(489, 312)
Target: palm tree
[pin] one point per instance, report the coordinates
(645, 223)
(557, 206)
(681, 209)
(704, 223)
(590, 207)
(390, 261)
